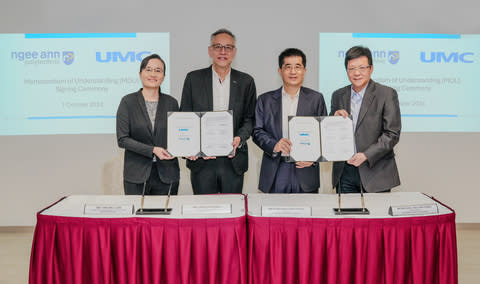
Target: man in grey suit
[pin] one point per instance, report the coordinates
(215, 88)
(377, 124)
(270, 133)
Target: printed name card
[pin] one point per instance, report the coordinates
(286, 211)
(200, 209)
(106, 209)
(409, 210)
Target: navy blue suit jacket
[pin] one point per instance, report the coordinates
(268, 131)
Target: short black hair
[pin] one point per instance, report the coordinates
(356, 52)
(222, 31)
(144, 63)
(291, 52)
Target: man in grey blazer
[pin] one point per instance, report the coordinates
(377, 124)
(220, 87)
(270, 133)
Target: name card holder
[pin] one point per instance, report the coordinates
(412, 210)
(286, 211)
(201, 209)
(108, 209)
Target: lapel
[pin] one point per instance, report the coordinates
(277, 112)
(208, 87)
(303, 104)
(234, 89)
(143, 110)
(159, 113)
(346, 99)
(367, 101)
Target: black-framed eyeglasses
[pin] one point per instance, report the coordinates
(361, 69)
(289, 67)
(155, 70)
(218, 47)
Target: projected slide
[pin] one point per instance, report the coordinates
(436, 75)
(71, 83)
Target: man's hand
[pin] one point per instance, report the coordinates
(357, 159)
(235, 144)
(341, 112)
(209, 158)
(301, 165)
(283, 145)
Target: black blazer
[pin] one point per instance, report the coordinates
(136, 136)
(197, 95)
(268, 131)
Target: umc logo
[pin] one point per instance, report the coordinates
(118, 56)
(452, 57)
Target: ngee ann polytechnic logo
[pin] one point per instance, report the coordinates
(393, 57)
(68, 57)
(379, 56)
(44, 57)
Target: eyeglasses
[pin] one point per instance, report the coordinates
(218, 47)
(361, 69)
(155, 70)
(292, 67)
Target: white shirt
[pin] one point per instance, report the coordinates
(221, 91)
(355, 104)
(289, 108)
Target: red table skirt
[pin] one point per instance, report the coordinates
(416, 250)
(138, 250)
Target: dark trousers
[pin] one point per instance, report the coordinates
(350, 180)
(286, 179)
(216, 176)
(153, 186)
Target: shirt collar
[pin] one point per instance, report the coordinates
(285, 94)
(361, 93)
(217, 78)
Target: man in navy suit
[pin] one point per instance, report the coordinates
(270, 131)
(215, 88)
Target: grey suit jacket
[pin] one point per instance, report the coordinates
(377, 132)
(197, 95)
(135, 134)
(268, 131)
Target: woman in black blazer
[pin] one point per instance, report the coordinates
(142, 132)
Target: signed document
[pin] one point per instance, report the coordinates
(304, 133)
(200, 133)
(183, 134)
(217, 133)
(337, 138)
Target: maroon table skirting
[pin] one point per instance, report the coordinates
(138, 250)
(412, 250)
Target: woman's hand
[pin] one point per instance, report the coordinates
(162, 154)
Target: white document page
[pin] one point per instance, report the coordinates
(217, 133)
(337, 138)
(183, 134)
(304, 132)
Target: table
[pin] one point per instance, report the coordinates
(325, 248)
(70, 247)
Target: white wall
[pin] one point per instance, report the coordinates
(37, 170)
